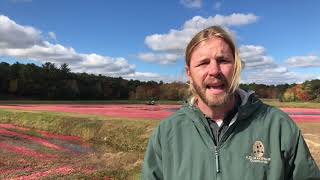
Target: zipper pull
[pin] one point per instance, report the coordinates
(216, 152)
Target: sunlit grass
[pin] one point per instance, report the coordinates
(277, 103)
(311, 134)
(122, 134)
(114, 135)
(109, 136)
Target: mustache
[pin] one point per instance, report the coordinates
(218, 79)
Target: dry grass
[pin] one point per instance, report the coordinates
(277, 103)
(119, 144)
(311, 134)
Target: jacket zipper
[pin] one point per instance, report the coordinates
(216, 152)
(217, 157)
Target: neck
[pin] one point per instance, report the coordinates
(216, 113)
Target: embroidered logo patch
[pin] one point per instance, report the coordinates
(257, 155)
(258, 149)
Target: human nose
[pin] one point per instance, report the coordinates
(213, 68)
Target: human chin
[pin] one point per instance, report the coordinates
(219, 100)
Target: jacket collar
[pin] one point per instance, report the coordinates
(250, 103)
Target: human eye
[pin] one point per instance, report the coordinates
(202, 62)
(224, 60)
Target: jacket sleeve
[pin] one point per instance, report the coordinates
(301, 164)
(152, 165)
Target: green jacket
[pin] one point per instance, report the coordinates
(262, 142)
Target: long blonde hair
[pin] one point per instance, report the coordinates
(205, 34)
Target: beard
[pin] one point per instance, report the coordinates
(211, 100)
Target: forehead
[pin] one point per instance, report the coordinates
(212, 45)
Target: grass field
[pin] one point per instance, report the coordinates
(311, 133)
(277, 103)
(118, 144)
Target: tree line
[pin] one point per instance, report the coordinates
(49, 82)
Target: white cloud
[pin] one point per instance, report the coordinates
(147, 76)
(267, 77)
(175, 41)
(277, 70)
(48, 52)
(13, 35)
(161, 58)
(235, 19)
(96, 64)
(262, 69)
(255, 57)
(191, 3)
(304, 61)
(144, 76)
(25, 42)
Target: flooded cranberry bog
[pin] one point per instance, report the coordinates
(94, 141)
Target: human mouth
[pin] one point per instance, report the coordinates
(215, 88)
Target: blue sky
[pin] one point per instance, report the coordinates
(145, 40)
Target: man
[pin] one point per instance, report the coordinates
(224, 132)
